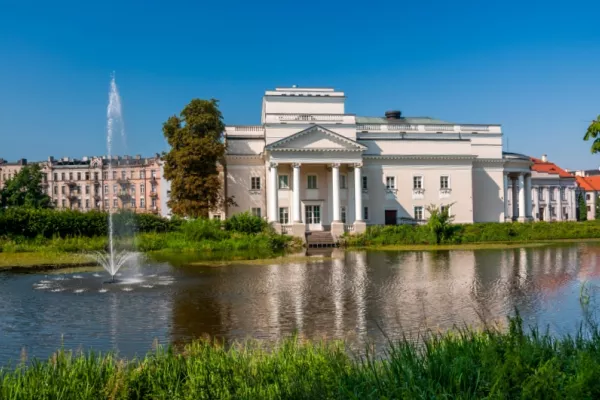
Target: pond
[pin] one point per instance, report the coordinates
(358, 296)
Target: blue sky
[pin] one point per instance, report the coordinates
(532, 66)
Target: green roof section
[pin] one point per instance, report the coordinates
(403, 120)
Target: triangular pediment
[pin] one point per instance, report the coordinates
(316, 138)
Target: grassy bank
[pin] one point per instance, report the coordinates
(474, 234)
(241, 237)
(465, 365)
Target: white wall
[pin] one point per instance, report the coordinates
(488, 194)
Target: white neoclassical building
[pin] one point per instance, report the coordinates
(310, 166)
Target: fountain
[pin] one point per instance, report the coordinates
(113, 260)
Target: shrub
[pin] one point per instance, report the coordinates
(245, 223)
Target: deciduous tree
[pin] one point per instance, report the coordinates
(197, 147)
(593, 132)
(25, 190)
(582, 208)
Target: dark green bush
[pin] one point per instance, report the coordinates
(245, 223)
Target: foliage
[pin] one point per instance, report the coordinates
(439, 222)
(461, 364)
(593, 132)
(31, 223)
(197, 147)
(25, 190)
(476, 233)
(582, 208)
(246, 223)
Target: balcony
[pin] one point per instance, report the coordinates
(154, 194)
(123, 181)
(123, 194)
(70, 183)
(418, 193)
(154, 209)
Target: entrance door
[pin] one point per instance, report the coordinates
(541, 215)
(391, 217)
(313, 217)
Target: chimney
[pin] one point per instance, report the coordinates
(544, 158)
(394, 114)
(23, 161)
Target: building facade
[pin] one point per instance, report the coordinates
(589, 188)
(311, 166)
(97, 183)
(552, 191)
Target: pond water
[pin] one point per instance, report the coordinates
(359, 296)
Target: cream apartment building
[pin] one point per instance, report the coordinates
(88, 184)
(311, 166)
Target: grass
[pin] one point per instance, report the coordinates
(497, 234)
(461, 364)
(42, 260)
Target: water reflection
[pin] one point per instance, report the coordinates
(359, 296)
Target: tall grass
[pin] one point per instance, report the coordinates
(476, 233)
(462, 364)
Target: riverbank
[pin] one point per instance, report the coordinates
(460, 364)
(422, 237)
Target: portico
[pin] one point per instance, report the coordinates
(325, 187)
(517, 188)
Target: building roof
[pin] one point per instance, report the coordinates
(403, 120)
(547, 167)
(588, 183)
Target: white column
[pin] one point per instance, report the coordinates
(547, 215)
(505, 197)
(296, 194)
(528, 196)
(521, 196)
(358, 192)
(535, 198)
(574, 204)
(335, 171)
(273, 195)
(559, 211)
(514, 199)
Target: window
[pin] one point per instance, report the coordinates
(95, 176)
(131, 174)
(153, 203)
(142, 188)
(55, 189)
(70, 176)
(63, 190)
(366, 213)
(123, 174)
(87, 189)
(115, 204)
(64, 203)
(62, 176)
(418, 183)
(445, 208)
(540, 194)
(106, 203)
(105, 175)
(312, 181)
(364, 183)
(133, 190)
(142, 174)
(390, 182)
(563, 194)
(444, 182)
(114, 189)
(143, 203)
(87, 176)
(565, 213)
(153, 189)
(588, 208)
(132, 202)
(153, 173)
(114, 175)
(78, 189)
(418, 213)
(256, 212)
(105, 189)
(553, 211)
(55, 176)
(587, 196)
(343, 182)
(217, 217)
(552, 195)
(284, 182)
(343, 214)
(255, 183)
(284, 215)
(87, 203)
(79, 176)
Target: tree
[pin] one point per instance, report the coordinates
(582, 207)
(593, 132)
(25, 190)
(439, 222)
(197, 147)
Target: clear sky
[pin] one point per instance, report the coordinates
(533, 66)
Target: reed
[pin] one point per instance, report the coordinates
(464, 364)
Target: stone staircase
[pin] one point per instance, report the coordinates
(320, 239)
